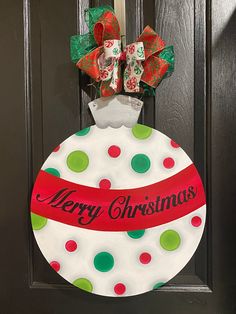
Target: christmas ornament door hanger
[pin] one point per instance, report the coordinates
(118, 208)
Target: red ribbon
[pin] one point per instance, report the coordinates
(118, 210)
(154, 66)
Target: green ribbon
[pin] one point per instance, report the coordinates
(80, 45)
(147, 89)
(168, 55)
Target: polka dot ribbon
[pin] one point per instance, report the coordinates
(148, 60)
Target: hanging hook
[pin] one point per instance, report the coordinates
(119, 7)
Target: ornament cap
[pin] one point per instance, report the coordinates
(116, 111)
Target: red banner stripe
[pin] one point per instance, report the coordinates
(118, 210)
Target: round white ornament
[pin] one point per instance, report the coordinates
(118, 208)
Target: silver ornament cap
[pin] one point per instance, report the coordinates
(116, 111)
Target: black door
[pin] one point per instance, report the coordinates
(44, 100)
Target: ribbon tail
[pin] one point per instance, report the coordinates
(114, 79)
(134, 69)
(110, 67)
(132, 77)
(106, 88)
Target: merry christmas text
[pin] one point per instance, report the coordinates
(119, 208)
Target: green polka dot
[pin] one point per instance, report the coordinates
(83, 132)
(141, 131)
(136, 234)
(170, 240)
(53, 171)
(77, 161)
(103, 261)
(140, 163)
(83, 284)
(158, 285)
(38, 222)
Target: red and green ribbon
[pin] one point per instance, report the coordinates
(99, 55)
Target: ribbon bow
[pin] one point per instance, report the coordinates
(99, 55)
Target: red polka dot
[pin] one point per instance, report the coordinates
(114, 151)
(56, 149)
(173, 144)
(168, 162)
(145, 258)
(71, 246)
(55, 265)
(105, 184)
(119, 288)
(196, 221)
